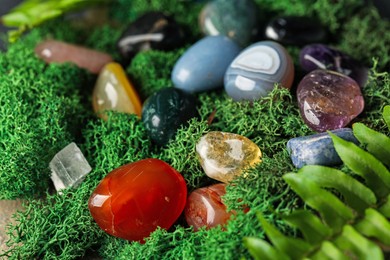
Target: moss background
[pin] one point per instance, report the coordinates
(44, 107)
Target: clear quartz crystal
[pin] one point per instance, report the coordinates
(69, 167)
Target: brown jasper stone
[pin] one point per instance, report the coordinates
(52, 51)
(205, 207)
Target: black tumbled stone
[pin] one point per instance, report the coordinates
(153, 30)
(295, 30)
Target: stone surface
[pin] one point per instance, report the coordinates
(202, 67)
(69, 167)
(295, 30)
(165, 111)
(224, 156)
(153, 30)
(328, 100)
(113, 91)
(7, 209)
(320, 56)
(236, 19)
(52, 51)
(317, 149)
(255, 71)
(205, 207)
(136, 198)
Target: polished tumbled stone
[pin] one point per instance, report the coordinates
(114, 92)
(52, 51)
(165, 111)
(153, 30)
(295, 30)
(329, 100)
(224, 156)
(320, 56)
(202, 67)
(236, 19)
(317, 149)
(255, 71)
(69, 167)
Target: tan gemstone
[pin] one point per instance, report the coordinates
(52, 51)
(113, 91)
(224, 156)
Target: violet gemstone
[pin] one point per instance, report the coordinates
(320, 56)
(205, 207)
(329, 100)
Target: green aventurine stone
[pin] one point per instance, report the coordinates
(236, 19)
(224, 156)
(165, 111)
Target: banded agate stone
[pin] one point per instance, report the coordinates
(236, 19)
(52, 51)
(317, 149)
(254, 72)
(205, 207)
(136, 198)
(113, 91)
(329, 100)
(224, 156)
(203, 66)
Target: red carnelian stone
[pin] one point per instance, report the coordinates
(136, 198)
(205, 207)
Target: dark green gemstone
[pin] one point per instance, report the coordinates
(165, 111)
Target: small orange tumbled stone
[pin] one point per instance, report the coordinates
(52, 51)
(113, 91)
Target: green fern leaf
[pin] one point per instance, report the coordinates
(333, 210)
(261, 250)
(385, 208)
(375, 225)
(376, 175)
(357, 246)
(329, 251)
(293, 247)
(357, 196)
(377, 143)
(386, 115)
(313, 230)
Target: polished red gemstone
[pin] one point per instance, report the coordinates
(205, 207)
(136, 198)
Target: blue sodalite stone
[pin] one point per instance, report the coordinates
(202, 67)
(255, 71)
(317, 149)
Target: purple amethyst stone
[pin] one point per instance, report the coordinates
(329, 100)
(320, 56)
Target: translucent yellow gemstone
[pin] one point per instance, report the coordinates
(224, 156)
(113, 91)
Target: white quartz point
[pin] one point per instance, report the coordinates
(69, 167)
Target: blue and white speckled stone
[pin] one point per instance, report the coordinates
(317, 149)
(255, 71)
(203, 66)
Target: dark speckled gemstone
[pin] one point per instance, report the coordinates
(153, 30)
(295, 30)
(383, 7)
(165, 111)
(236, 19)
(320, 56)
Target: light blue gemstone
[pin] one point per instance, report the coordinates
(203, 66)
(317, 149)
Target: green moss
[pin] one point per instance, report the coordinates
(44, 107)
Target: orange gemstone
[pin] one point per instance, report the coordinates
(60, 52)
(136, 198)
(113, 91)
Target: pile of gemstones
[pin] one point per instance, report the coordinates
(135, 199)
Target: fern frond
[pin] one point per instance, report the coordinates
(343, 226)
